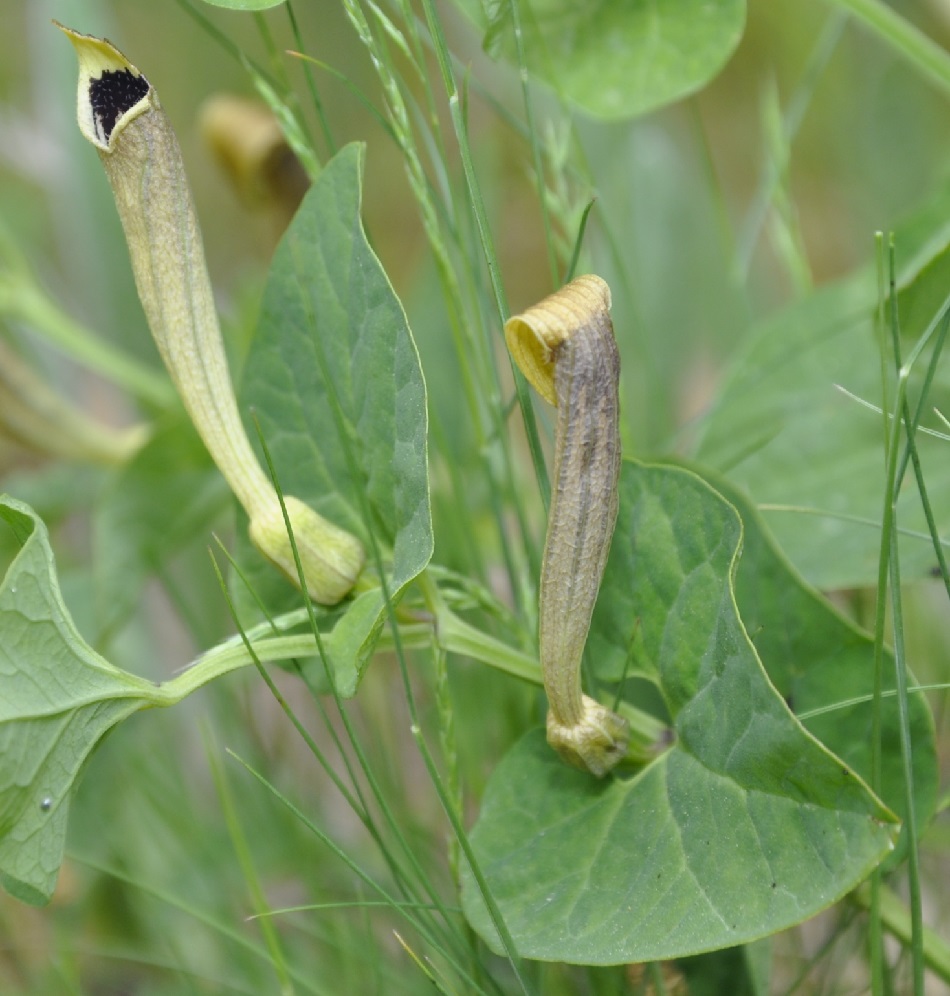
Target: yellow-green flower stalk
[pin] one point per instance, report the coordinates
(41, 420)
(565, 347)
(120, 114)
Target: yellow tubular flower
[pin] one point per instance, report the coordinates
(120, 114)
(246, 139)
(565, 347)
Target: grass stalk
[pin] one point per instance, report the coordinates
(246, 861)
(892, 560)
(515, 8)
(923, 53)
(475, 361)
(487, 242)
(304, 982)
(898, 922)
(393, 824)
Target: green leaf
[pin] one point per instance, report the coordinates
(334, 379)
(619, 58)
(922, 248)
(813, 655)
(816, 657)
(59, 699)
(744, 826)
(811, 457)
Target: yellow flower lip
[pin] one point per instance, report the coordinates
(534, 336)
(112, 92)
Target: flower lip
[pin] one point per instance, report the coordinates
(535, 336)
(111, 90)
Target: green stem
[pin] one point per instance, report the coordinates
(311, 82)
(900, 664)
(922, 52)
(459, 637)
(876, 937)
(231, 657)
(453, 634)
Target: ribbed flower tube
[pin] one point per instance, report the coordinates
(120, 114)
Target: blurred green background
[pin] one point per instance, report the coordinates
(678, 188)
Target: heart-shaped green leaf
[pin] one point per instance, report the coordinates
(334, 379)
(817, 658)
(744, 826)
(813, 655)
(58, 699)
(619, 58)
(809, 455)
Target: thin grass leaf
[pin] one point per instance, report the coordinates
(404, 912)
(246, 861)
(303, 980)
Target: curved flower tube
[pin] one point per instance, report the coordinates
(565, 347)
(120, 114)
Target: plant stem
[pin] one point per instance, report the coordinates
(929, 58)
(453, 634)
